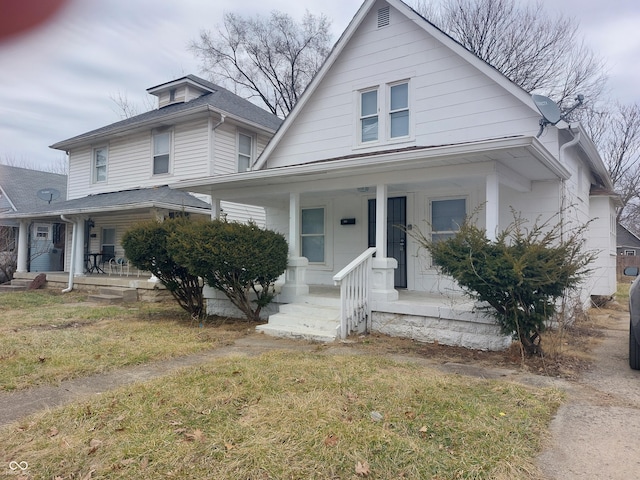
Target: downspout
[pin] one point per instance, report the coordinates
(563, 147)
(74, 234)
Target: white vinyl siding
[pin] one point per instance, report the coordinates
(450, 100)
(130, 161)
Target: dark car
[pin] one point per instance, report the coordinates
(634, 318)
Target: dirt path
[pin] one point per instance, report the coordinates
(596, 433)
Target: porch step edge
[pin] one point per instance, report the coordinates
(296, 333)
(102, 298)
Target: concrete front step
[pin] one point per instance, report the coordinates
(314, 318)
(15, 285)
(114, 295)
(299, 333)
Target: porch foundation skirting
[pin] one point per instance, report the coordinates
(444, 325)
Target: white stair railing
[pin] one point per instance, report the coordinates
(355, 293)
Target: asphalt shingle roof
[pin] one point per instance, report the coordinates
(137, 198)
(221, 99)
(21, 186)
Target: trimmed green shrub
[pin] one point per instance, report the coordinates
(145, 245)
(238, 259)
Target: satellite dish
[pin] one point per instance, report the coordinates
(48, 194)
(550, 111)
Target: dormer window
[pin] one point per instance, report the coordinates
(172, 95)
(161, 152)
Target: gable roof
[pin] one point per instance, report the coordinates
(346, 36)
(141, 198)
(220, 100)
(20, 186)
(624, 238)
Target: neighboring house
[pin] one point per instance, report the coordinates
(24, 190)
(628, 249)
(628, 244)
(403, 126)
(118, 174)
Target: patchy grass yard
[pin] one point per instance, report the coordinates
(290, 415)
(46, 338)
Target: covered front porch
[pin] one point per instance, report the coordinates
(350, 222)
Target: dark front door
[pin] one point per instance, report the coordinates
(396, 236)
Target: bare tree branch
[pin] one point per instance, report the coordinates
(271, 59)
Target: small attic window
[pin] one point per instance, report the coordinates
(383, 17)
(172, 95)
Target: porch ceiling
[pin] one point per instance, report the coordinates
(518, 161)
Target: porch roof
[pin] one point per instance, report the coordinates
(143, 198)
(522, 158)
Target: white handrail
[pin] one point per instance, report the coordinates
(355, 289)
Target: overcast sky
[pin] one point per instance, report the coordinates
(57, 81)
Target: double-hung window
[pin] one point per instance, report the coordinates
(312, 234)
(161, 152)
(369, 116)
(245, 152)
(447, 217)
(399, 110)
(100, 156)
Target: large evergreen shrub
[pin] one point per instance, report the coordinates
(519, 277)
(240, 260)
(145, 245)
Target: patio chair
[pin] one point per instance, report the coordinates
(119, 266)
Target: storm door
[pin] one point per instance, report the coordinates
(396, 235)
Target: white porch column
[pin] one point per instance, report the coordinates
(492, 205)
(215, 208)
(23, 246)
(381, 221)
(78, 263)
(382, 288)
(295, 281)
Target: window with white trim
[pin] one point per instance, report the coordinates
(312, 233)
(399, 110)
(245, 151)
(630, 253)
(447, 217)
(161, 152)
(369, 116)
(100, 159)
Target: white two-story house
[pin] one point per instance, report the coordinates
(404, 127)
(118, 174)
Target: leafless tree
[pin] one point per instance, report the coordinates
(271, 59)
(126, 108)
(540, 53)
(616, 132)
(59, 166)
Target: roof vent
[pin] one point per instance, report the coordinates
(383, 17)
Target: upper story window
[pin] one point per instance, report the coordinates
(100, 157)
(399, 110)
(369, 116)
(161, 152)
(384, 113)
(245, 152)
(447, 217)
